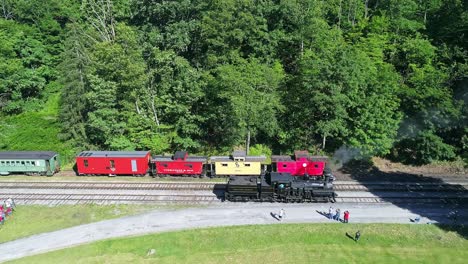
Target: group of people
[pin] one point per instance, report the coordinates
(6, 209)
(332, 214)
(336, 214)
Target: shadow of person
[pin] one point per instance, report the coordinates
(275, 216)
(323, 213)
(350, 236)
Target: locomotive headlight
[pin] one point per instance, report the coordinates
(304, 165)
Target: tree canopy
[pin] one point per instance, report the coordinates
(386, 77)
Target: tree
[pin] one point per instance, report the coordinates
(24, 67)
(117, 78)
(73, 104)
(244, 99)
(174, 96)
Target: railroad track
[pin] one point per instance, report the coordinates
(112, 185)
(204, 198)
(85, 198)
(356, 186)
(404, 200)
(55, 193)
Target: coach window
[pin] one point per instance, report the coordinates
(22, 162)
(285, 165)
(2, 162)
(316, 166)
(85, 163)
(247, 164)
(188, 165)
(164, 165)
(224, 164)
(112, 164)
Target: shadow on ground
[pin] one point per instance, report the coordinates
(448, 214)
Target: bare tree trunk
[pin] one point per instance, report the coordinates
(7, 14)
(248, 143)
(340, 10)
(137, 108)
(366, 10)
(349, 12)
(101, 17)
(324, 140)
(155, 114)
(153, 97)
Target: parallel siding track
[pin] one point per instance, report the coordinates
(55, 193)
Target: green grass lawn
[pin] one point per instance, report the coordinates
(35, 219)
(288, 243)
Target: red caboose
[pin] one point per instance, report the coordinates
(113, 162)
(300, 164)
(180, 164)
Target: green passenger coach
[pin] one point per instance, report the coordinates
(29, 162)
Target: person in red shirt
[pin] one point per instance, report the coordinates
(346, 217)
(2, 215)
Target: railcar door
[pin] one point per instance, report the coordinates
(134, 166)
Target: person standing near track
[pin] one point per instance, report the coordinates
(330, 212)
(11, 202)
(357, 236)
(337, 216)
(2, 218)
(346, 216)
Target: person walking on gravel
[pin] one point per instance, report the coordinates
(330, 212)
(281, 214)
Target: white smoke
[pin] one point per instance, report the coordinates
(345, 154)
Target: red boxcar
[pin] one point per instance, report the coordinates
(179, 164)
(301, 163)
(113, 162)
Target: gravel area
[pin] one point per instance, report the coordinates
(218, 215)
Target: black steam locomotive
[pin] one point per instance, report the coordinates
(299, 178)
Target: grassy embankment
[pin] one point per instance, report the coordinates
(35, 130)
(304, 243)
(30, 220)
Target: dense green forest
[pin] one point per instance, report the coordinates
(383, 77)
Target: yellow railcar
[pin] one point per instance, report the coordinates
(237, 164)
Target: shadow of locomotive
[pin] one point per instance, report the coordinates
(448, 214)
(218, 190)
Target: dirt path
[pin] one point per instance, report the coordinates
(224, 215)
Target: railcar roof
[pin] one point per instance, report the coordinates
(113, 154)
(27, 154)
(278, 158)
(169, 158)
(228, 158)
